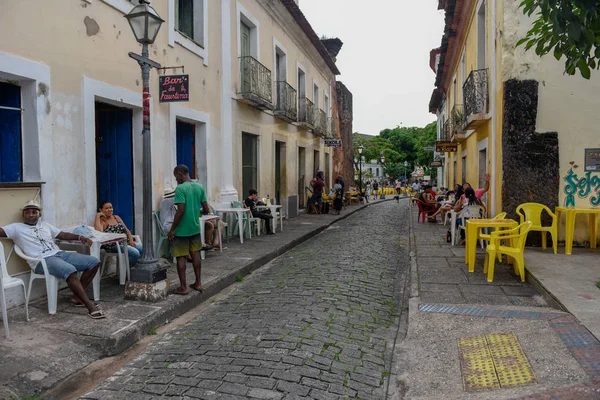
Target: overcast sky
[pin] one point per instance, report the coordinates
(385, 58)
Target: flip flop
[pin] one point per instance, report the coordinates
(198, 290)
(97, 314)
(180, 292)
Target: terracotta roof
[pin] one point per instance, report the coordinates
(297, 14)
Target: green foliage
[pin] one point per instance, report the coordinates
(569, 28)
(598, 284)
(398, 145)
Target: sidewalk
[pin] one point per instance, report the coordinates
(455, 316)
(49, 348)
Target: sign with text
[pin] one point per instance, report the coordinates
(333, 142)
(429, 148)
(436, 164)
(173, 88)
(592, 160)
(446, 147)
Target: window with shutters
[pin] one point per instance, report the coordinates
(188, 26)
(11, 157)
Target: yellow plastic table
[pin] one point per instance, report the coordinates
(472, 232)
(570, 214)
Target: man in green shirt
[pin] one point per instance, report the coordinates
(190, 199)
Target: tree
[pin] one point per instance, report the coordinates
(569, 28)
(398, 145)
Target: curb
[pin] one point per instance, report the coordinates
(128, 337)
(546, 294)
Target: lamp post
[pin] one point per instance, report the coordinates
(360, 151)
(406, 172)
(382, 177)
(145, 24)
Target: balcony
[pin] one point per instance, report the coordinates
(306, 116)
(286, 107)
(320, 126)
(456, 124)
(475, 92)
(331, 131)
(256, 84)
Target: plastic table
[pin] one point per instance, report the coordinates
(240, 214)
(274, 208)
(570, 214)
(472, 231)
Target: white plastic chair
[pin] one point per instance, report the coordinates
(123, 272)
(471, 212)
(51, 281)
(9, 282)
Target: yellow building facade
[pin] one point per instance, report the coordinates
(513, 114)
(261, 102)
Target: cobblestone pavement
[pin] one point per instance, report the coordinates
(318, 322)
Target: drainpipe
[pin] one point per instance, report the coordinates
(493, 110)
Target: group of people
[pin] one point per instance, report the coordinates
(462, 196)
(318, 186)
(36, 239)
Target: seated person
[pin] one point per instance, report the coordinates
(266, 216)
(167, 209)
(478, 192)
(429, 202)
(449, 204)
(106, 221)
(468, 199)
(35, 238)
(317, 185)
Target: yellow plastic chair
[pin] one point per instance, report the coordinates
(515, 247)
(487, 236)
(533, 212)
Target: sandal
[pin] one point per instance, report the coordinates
(97, 314)
(196, 289)
(81, 304)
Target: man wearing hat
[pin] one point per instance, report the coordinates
(36, 239)
(167, 208)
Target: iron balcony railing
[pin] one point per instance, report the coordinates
(286, 101)
(331, 131)
(256, 81)
(322, 122)
(475, 92)
(445, 134)
(457, 119)
(307, 112)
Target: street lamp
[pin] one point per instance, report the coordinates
(382, 178)
(360, 151)
(406, 171)
(145, 24)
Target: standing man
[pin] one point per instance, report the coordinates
(36, 239)
(185, 231)
(317, 184)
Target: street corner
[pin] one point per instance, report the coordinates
(457, 352)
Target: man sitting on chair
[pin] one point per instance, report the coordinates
(35, 238)
(266, 216)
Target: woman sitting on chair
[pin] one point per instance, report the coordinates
(106, 221)
(469, 199)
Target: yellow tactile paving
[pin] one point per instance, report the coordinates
(511, 363)
(493, 361)
(477, 366)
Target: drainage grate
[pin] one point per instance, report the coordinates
(493, 361)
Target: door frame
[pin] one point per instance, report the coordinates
(202, 122)
(93, 91)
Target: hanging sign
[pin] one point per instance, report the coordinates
(333, 143)
(173, 88)
(446, 147)
(592, 160)
(436, 164)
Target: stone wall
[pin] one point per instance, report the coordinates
(343, 156)
(530, 163)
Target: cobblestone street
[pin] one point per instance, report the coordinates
(318, 322)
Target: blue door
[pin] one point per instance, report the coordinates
(186, 146)
(10, 133)
(114, 160)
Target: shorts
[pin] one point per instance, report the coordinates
(184, 245)
(63, 264)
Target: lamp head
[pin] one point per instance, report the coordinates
(145, 22)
